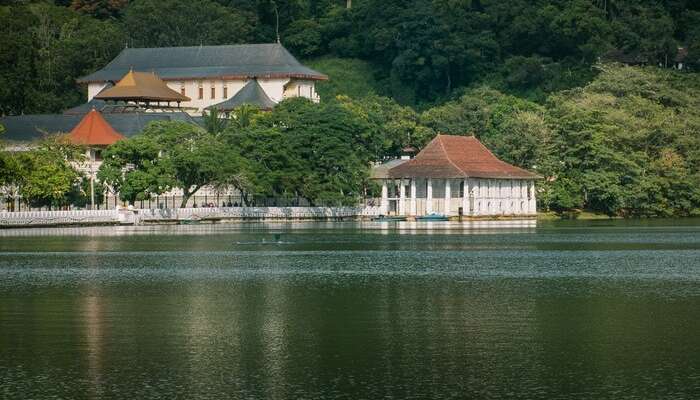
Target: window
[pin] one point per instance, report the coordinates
(213, 92)
(201, 91)
(225, 95)
(182, 89)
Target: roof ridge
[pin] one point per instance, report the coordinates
(205, 46)
(447, 154)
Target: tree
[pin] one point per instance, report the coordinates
(627, 140)
(313, 151)
(166, 156)
(99, 8)
(45, 175)
(162, 23)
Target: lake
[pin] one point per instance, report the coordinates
(556, 310)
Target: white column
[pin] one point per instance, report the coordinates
(414, 200)
(429, 197)
(448, 196)
(402, 197)
(532, 206)
(384, 205)
(465, 197)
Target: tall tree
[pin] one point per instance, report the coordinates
(166, 156)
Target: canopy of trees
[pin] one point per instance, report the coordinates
(524, 76)
(419, 52)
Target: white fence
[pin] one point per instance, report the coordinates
(45, 218)
(138, 216)
(243, 213)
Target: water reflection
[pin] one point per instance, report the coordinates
(352, 314)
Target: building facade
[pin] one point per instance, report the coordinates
(455, 176)
(209, 75)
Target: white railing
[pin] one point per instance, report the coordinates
(70, 217)
(213, 213)
(137, 216)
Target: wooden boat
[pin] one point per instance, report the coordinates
(432, 217)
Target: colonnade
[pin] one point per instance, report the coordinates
(451, 197)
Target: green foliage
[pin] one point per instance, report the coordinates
(99, 8)
(389, 126)
(314, 151)
(348, 77)
(629, 139)
(164, 156)
(162, 23)
(44, 49)
(303, 37)
(45, 176)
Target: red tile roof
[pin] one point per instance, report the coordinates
(93, 130)
(449, 156)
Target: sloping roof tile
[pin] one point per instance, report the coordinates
(141, 86)
(243, 61)
(251, 93)
(29, 128)
(93, 130)
(449, 156)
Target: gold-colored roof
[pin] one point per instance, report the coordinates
(141, 86)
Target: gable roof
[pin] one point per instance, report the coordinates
(242, 61)
(251, 93)
(93, 130)
(141, 86)
(448, 156)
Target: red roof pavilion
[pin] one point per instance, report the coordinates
(449, 156)
(93, 130)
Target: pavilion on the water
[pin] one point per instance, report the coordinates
(455, 175)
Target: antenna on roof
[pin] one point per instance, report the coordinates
(277, 22)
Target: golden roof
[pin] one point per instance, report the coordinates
(141, 86)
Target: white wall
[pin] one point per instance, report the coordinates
(276, 89)
(94, 88)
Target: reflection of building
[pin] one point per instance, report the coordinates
(210, 75)
(455, 175)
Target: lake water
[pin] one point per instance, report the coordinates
(577, 310)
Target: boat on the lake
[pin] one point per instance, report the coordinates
(389, 218)
(432, 217)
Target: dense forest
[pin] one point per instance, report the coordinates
(535, 80)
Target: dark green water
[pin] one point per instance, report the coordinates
(598, 310)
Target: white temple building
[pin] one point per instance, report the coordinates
(455, 176)
(210, 75)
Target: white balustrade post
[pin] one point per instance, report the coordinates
(429, 197)
(402, 197)
(414, 200)
(448, 196)
(384, 205)
(465, 197)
